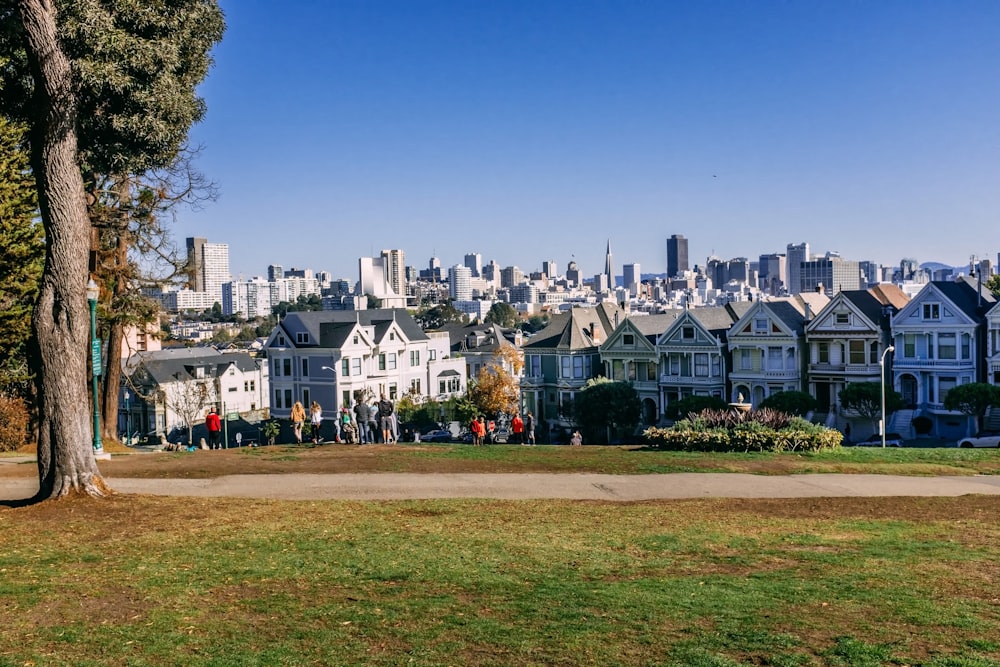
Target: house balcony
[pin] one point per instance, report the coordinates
(783, 375)
(690, 381)
(900, 364)
(844, 369)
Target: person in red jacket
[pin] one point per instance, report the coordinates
(214, 426)
(517, 428)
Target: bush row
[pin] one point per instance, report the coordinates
(750, 436)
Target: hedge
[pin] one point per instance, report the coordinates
(690, 436)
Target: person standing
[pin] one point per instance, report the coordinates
(517, 428)
(474, 429)
(481, 429)
(316, 420)
(385, 409)
(298, 419)
(362, 415)
(577, 439)
(529, 428)
(214, 426)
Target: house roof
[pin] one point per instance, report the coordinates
(169, 365)
(651, 326)
(963, 293)
(488, 337)
(867, 303)
(890, 295)
(380, 319)
(578, 329)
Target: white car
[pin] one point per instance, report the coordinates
(981, 439)
(891, 440)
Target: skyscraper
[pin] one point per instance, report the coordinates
(609, 267)
(795, 255)
(460, 283)
(474, 261)
(677, 255)
(209, 264)
(631, 277)
(395, 268)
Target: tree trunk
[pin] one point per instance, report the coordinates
(116, 336)
(61, 320)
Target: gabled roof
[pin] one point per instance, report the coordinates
(890, 295)
(963, 293)
(179, 363)
(380, 319)
(578, 329)
(491, 335)
(718, 320)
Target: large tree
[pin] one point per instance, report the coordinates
(606, 409)
(865, 398)
(106, 88)
(973, 399)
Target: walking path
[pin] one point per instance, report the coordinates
(398, 486)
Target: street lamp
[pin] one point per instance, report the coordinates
(128, 421)
(881, 366)
(93, 292)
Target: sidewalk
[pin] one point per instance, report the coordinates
(400, 486)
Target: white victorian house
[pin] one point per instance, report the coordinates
(940, 343)
(333, 357)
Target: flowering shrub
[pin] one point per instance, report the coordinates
(734, 431)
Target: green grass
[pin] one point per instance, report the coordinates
(163, 581)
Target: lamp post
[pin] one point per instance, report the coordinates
(881, 366)
(93, 292)
(128, 421)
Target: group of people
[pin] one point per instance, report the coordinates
(522, 430)
(365, 424)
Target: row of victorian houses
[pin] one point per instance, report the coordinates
(947, 335)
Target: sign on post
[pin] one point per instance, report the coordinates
(233, 416)
(95, 356)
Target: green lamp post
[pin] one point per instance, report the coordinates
(93, 292)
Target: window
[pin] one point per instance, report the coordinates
(234, 388)
(345, 366)
(910, 345)
(566, 367)
(842, 319)
(345, 398)
(628, 340)
(932, 311)
(774, 359)
(701, 364)
(253, 385)
(381, 361)
(391, 361)
(946, 346)
(305, 398)
(199, 372)
(246, 386)
(578, 367)
(687, 333)
(393, 391)
(288, 398)
(232, 372)
(631, 372)
(873, 352)
(355, 365)
(760, 325)
(441, 386)
(286, 367)
(415, 386)
(824, 353)
(675, 364)
(617, 370)
(356, 340)
(431, 355)
(651, 371)
(301, 337)
(746, 363)
(966, 346)
(945, 384)
(534, 365)
(305, 368)
(716, 365)
(277, 399)
(856, 352)
(281, 341)
(454, 384)
(414, 357)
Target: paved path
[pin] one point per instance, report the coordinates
(396, 486)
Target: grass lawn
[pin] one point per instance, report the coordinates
(139, 581)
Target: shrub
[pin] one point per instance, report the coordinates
(13, 423)
(793, 402)
(757, 431)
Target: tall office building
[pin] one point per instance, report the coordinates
(772, 273)
(832, 274)
(274, 272)
(573, 274)
(795, 255)
(209, 264)
(395, 267)
(609, 267)
(677, 255)
(510, 276)
(549, 268)
(474, 261)
(631, 277)
(460, 283)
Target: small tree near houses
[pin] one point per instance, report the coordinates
(973, 399)
(865, 398)
(188, 401)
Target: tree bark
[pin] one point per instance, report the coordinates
(61, 320)
(116, 329)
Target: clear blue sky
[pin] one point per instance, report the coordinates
(529, 130)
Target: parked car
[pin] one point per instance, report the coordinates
(437, 435)
(981, 439)
(891, 440)
(501, 436)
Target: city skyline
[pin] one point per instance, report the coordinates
(534, 132)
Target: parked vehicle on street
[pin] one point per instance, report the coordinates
(981, 439)
(437, 435)
(891, 440)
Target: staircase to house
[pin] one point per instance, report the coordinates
(991, 421)
(901, 422)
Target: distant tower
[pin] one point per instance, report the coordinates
(275, 272)
(795, 255)
(609, 267)
(209, 264)
(677, 255)
(395, 268)
(631, 278)
(474, 261)
(573, 274)
(459, 283)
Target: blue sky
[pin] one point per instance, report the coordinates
(530, 130)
